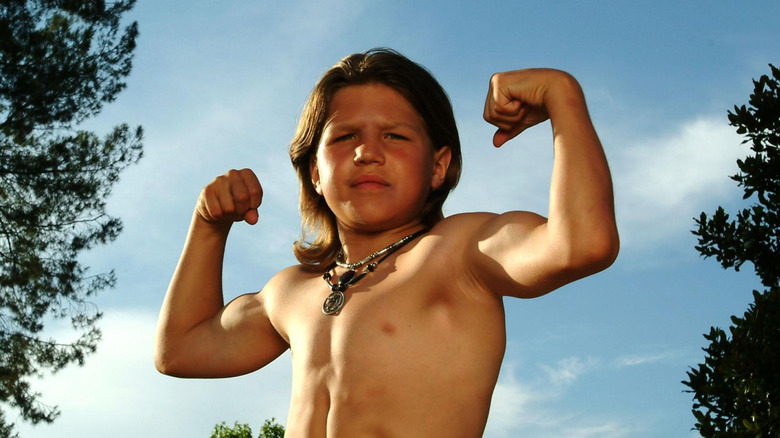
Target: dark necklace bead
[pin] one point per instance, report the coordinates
(346, 276)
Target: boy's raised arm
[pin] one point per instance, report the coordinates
(197, 335)
(526, 255)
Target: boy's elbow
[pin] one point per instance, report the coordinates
(604, 257)
(165, 360)
(168, 366)
(162, 362)
(592, 255)
(600, 252)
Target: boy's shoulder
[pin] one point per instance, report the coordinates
(456, 236)
(473, 225)
(290, 277)
(276, 291)
(467, 237)
(468, 220)
(281, 292)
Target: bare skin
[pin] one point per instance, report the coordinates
(417, 348)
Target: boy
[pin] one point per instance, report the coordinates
(394, 318)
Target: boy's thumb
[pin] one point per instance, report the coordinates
(251, 216)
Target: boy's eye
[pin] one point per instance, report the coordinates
(393, 136)
(344, 137)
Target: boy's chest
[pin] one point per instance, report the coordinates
(388, 315)
(394, 326)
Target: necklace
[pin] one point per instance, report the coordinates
(335, 301)
(352, 266)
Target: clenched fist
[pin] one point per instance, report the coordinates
(232, 197)
(520, 99)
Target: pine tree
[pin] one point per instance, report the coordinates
(60, 62)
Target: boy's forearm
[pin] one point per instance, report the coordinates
(195, 292)
(581, 212)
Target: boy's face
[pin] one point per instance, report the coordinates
(374, 164)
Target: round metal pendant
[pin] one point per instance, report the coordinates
(333, 303)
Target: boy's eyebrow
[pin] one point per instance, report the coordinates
(330, 124)
(329, 121)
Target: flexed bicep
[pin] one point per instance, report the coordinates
(510, 256)
(239, 339)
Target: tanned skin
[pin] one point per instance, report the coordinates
(417, 347)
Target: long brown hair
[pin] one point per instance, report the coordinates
(320, 242)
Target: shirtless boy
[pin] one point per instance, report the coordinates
(413, 347)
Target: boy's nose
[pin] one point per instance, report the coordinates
(369, 152)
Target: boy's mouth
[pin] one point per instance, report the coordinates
(369, 182)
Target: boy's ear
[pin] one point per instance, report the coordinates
(441, 162)
(315, 175)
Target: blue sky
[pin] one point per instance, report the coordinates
(219, 85)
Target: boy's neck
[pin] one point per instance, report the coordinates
(356, 244)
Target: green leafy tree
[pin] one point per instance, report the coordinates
(60, 62)
(270, 429)
(237, 431)
(736, 391)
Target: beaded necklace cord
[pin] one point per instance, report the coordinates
(341, 264)
(335, 301)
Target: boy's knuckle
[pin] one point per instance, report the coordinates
(241, 197)
(219, 181)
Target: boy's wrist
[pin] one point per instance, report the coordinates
(563, 91)
(200, 224)
(565, 102)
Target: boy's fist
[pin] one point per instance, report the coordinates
(519, 99)
(232, 197)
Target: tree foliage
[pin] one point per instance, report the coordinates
(755, 235)
(237, 431)
(60, 62)
(737, 388)
(270, 429)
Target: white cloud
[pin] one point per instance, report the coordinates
(663, 182)
(634, 360)
(532, 406)
(118, 392)
(567, 370)
(512, 406)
